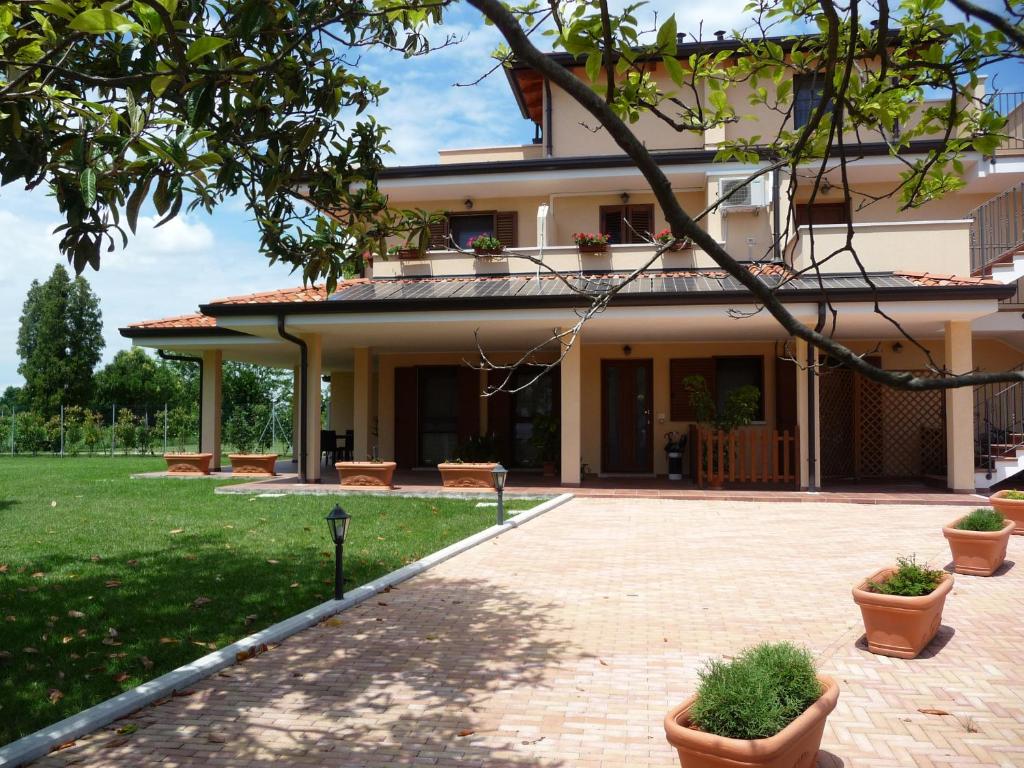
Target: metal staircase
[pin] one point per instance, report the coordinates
(997, 237)
(999, 432)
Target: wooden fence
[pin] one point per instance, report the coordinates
(746, 455)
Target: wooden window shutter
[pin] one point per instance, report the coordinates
(506, 228)
(641, 223)
(439, 236)
(679, 369)
(467, 418)
(406, 419)
(785, 393)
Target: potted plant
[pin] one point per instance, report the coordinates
(677, 244)
(245, 431)
(404, 254)
(545, 440)
(372, 473)
(1011, 505)
(978, 542)
(738, 410)
(181, 426)
(417, 224)
(472, 466)
(767, 708)
(587, 242)
(486, 245)
(902, 607)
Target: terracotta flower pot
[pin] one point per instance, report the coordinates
(488, 251)
(467, 475)
(253, 463)
(410, 254)
(795, 746)
(977, 553)
(188, 463)
(372, 474)
(1012, 509)
(900, 626)
(593, 248)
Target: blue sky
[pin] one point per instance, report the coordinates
(198, 257)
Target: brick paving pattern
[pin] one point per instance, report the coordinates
(564, 642)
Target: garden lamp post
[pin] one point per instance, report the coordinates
(500, 474)
(338, 521)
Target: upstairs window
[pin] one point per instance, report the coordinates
(807, 91)
(628, 223)
(821, 213)
(460, 228)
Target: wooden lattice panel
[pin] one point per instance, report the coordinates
(902, 434)
(835, 394)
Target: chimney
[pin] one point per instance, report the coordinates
(680, 38)
(720, 35)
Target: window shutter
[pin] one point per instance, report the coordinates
(439, 236)
(467, 384)
(612, 217)
(641, 223)
(406, 419)
(506, 228)
(679, 369)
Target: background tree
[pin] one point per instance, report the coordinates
(59, 341)
(11, 398)
(137, 379)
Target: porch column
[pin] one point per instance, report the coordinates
(959, 410)
(296, 399)
(808, 417)
(314, 369)
(572, 423)
(212, 373)
(361, 413)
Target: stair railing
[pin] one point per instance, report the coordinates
(999, 422)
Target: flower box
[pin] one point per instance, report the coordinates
(467, 474)
(253, 463)
(188, 463)
(366, 474)
(593, 248)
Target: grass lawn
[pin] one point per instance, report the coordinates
(106, 582)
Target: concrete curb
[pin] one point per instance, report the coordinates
(40, 743)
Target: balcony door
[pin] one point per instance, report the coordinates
(627, 416)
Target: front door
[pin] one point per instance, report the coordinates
(627, 417)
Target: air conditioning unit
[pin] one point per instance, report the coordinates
(749, 196)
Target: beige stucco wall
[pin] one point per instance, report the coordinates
(490, 154)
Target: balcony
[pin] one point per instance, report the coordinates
(939, 247)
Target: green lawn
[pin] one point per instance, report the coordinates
(106, 582)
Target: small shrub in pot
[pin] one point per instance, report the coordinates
(978, 542)
(766, 707)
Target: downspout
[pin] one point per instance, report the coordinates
(777, 215)
(812, 422)
(198, 361)
(548, 139)
(303, 394)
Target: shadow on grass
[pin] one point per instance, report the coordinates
(424, 670)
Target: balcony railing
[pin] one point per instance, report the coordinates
(997, 232)
(1010, 104)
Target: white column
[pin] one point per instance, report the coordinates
(807, 391)
(296, 399)
(314, 368)
(211, 397)
(572, 423)
(959, 410)
(361, 406)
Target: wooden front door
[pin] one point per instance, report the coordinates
(627, 416)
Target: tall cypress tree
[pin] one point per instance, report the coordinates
(59, 341)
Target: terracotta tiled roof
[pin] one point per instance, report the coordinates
(181, 321)
(932, 279)
(301, 294)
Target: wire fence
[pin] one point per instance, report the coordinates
(136, 430)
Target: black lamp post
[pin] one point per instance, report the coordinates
(500, 474)
(338, 521)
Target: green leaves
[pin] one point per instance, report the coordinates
(102, 21)
(204, 46)
(88, 183)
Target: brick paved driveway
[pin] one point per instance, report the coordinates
(564, 642)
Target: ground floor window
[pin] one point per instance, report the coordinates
(532, 410)
(438, 414)
(722, 375)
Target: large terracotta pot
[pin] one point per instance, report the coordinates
(188, 463)
(977, 553)
(795, 746)
(374, 474)
(1012, 509)
(467, 475)
(253, 463)
(900, 626)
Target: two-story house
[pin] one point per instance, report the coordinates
(396, 343)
